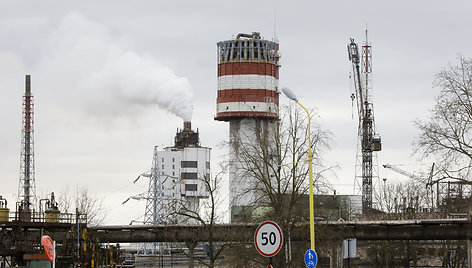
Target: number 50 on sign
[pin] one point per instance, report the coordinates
(268, 238)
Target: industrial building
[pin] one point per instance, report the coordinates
(183, 168)
(23, 227)
(248, 98)
(176, 179)
(176, 185)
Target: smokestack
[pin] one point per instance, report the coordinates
(28, 85)
(26, 191)
(187, 137)
(187, 126)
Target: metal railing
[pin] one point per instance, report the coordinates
(43, 217)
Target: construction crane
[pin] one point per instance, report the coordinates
(427, 180)
(404, 172)
(410, 175)
(369, 141)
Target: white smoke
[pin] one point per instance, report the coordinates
(107, 79)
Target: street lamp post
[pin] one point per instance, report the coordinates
(293, 97)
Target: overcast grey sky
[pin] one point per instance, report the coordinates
(111, 78)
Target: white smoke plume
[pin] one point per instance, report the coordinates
(105, 77)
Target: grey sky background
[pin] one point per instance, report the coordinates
(111, 79)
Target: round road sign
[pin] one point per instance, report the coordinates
(48, 245)
(311, 259)
(268, 238)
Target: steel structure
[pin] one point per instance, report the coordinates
(428, 181)
(156, 209)
(26, 188)
(369, 142)
(158, 202)
(154, 212)
(404, 172)
(416, 229)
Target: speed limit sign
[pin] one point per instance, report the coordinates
(268, 238)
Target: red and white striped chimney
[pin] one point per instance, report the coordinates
(248, 78)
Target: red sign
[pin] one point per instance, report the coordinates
(48, 245)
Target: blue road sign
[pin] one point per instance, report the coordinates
(311, 259)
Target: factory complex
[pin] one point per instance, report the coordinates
(268, 181)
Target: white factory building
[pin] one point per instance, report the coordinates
(185, 168)
(177, 178)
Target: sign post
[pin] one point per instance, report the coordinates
(268, 239)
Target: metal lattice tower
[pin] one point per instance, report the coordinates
(158, 204)
(154, 212)
(369, 142)
(26, 189)
(151, 215)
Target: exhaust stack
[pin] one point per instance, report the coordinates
(187, 137)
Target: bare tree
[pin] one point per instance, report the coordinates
(206, 215)
(403, 199)
(447, 135)
(87, 204)
(276, 163)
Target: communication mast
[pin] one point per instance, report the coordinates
(369, 141)
(26, 188)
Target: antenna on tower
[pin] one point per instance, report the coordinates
(275, 24)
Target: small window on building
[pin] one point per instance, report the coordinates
(173, 160)
(208, 165)
(163, 160)
(173, 166)
(162, 166)
(188, 164)
(173, 173)
(191, 187)
(188, 175)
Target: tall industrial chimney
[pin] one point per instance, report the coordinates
(26, 190)
(248, 98)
